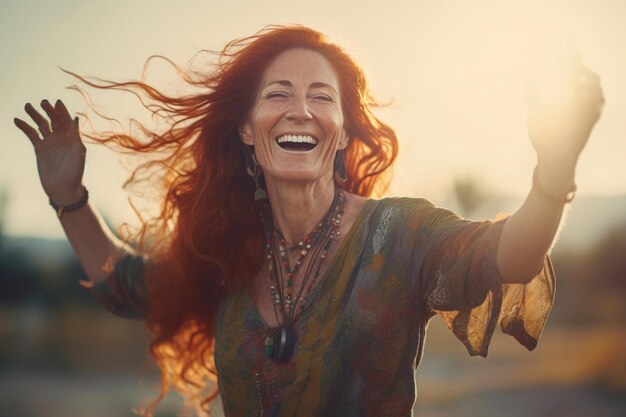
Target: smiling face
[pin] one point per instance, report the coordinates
(296, 123)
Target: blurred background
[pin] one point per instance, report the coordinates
(453, 73)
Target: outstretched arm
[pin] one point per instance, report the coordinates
(559, 126)
(60, 161)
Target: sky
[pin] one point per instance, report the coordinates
(453, 71)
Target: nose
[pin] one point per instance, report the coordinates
(299, 110)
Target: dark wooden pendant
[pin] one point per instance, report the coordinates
(284, 343)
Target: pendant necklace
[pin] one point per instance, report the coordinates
(280, 342)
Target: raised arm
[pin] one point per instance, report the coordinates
(61, 161)
(559, 125)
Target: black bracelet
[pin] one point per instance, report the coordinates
(71, 207)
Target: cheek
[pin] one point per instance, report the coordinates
(334, 125)
(259, 124)
(266, 116)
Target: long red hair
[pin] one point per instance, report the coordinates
(206, 240)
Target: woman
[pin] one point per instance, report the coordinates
(270, 267)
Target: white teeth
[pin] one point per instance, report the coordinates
(297, 139)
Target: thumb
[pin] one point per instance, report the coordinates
(76, 132)
(76, 126)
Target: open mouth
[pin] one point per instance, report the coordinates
(300, 143)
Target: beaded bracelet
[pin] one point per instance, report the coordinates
(567, 198)
(71, 207)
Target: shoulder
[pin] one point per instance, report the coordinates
(407, 203)
(406, 208)
(400, 216)
(413, 217)
(396, 214)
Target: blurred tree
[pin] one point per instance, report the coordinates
(469, 193)
(608, 262)
(4, 198)
(17, 277)
(594, 278)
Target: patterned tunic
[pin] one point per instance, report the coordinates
(361, 338)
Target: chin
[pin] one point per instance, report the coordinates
(300, 175)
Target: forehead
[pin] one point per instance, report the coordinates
(301, 66)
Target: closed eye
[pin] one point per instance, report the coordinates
(277, 95)
(323, 97)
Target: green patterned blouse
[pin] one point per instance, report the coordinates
(361, 339)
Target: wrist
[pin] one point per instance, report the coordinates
(556, 174)
(75, 205)
(557, 186)
(67, 196)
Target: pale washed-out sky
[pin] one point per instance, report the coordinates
(454, 69)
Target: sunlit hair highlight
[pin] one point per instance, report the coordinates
(206, 240)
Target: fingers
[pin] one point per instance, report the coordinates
(30, 132)
(586, 74)
(76, 127)
(589, 84)
(52, 114)
(64, 117)
(40, 121)
(60, 121)
(58, 114)
(588, 79)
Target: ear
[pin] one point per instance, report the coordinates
(343, 140)
(245, 134)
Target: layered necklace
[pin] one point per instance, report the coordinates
(280, 342)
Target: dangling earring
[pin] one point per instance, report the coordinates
(341, 175)
(254, 170)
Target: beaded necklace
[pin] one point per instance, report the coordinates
(280, 342)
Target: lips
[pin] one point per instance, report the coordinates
(301, 143)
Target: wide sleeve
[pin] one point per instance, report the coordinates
(123, 292)
(461, 282)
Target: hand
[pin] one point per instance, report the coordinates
(59, 150)
(562, 111)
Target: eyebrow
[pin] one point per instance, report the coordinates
(316, 84)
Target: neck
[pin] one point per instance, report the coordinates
(297, 208)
